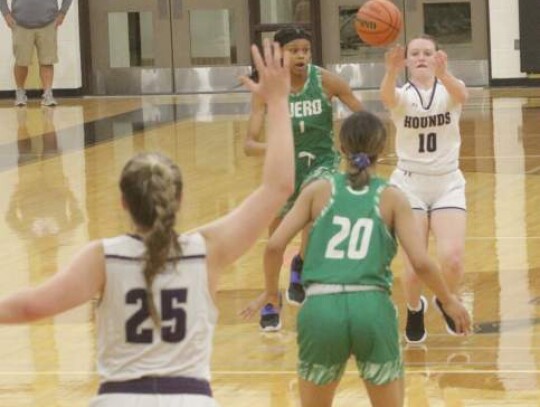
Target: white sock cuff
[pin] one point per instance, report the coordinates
(415, 309)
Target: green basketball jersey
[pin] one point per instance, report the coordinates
(349, 242)
(312, 120)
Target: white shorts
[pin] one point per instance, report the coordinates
(431, 192)
(152, 400)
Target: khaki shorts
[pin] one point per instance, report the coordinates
(43, 39)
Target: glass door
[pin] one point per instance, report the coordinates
(168, 46)
(210, 44)
(344, 52)
(131, 47)
(460, 27)
(269, 16)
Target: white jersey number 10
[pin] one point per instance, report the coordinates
(427, 143)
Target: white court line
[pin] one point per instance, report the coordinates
(501, 237)
(532, 170)
(264, 240)
(354, 372)
(393, 156)
(468, 349)
(289, 372)
(497, 157)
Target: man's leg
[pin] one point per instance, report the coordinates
(20, 73)
(23, 47)
(46, 72)
(47, 49)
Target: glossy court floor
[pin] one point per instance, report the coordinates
(58, 177)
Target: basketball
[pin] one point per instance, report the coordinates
(378, 22)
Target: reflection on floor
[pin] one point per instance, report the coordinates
(59, 169)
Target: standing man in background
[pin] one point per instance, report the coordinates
(34, 23)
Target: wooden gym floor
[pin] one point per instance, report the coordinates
(59, 169)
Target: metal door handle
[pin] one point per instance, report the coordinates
(177, 6)
(163, 9)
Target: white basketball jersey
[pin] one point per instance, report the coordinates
(129, 345)
(427, 130)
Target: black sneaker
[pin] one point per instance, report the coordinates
(295, 293)
(449, 322)
(415, 331)
(270, 320)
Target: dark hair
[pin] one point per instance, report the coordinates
(282, 37)
(151, 186)
(288, 34)
(362, 137)
(423, 37)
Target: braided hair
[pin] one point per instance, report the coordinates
(151, 185)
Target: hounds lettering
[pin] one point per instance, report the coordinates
(427, 121)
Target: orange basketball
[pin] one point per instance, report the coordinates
(378, 22)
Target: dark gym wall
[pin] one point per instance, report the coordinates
(529, 32)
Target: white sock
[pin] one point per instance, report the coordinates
(415, 309)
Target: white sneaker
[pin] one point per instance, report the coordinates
(20, 97)
(48, 99)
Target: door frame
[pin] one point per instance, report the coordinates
(367, 74)
(189, 78)
(314, 27)
(256, 28)
(182, 79)
(86, 52)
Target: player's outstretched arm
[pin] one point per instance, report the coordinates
(456, 88)
(338, 87)
(394, 63)
(252, 143)
(296, 219)
(74, 285)
(230, 236)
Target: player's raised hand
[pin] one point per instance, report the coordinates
(273, 71)
(395, 58)
(441, 63)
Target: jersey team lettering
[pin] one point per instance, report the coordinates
(305, 108)
(413, 122)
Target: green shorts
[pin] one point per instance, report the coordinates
(332, 327)
(321, 168)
